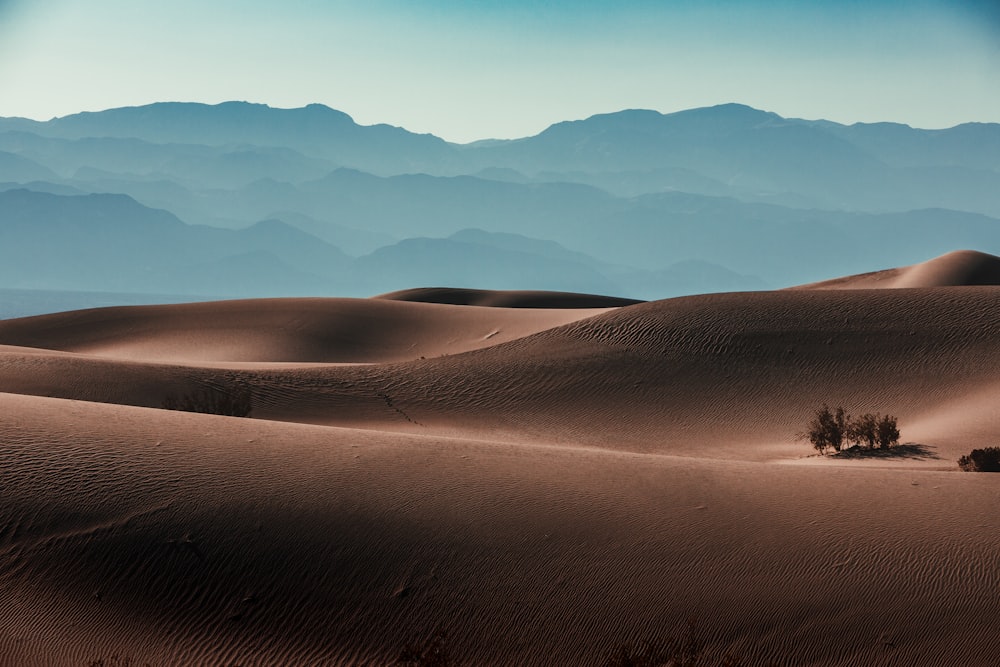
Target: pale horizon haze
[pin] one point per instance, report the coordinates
(477, 69)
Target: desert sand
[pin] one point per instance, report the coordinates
(548, 478)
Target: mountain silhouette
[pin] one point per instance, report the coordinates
(315, 130)
(636, 203)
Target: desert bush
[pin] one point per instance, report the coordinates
(863, 431)
(887, 432)
(828, 429)
(981, 460)
(234, 402)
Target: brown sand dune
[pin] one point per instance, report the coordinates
(170, 538)
(506, 298)
(585, 480)
(958, 268)
(281, 330)
(728, 375)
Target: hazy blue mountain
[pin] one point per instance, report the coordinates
(631, 140)
(972, 145)
(683, 278)
(526, 244)
(634, 203)
(257, 273)
(112, 243)
(291, 245)
(418, 204)
(428, 262)
(185, 203)
(24, 303)
(680, 278)
(689, 244)
(759, 155)
(315, 130)
(351, 240)
(44, 186)
(197, 166)
(776, 244)
(635, 183)
(780, 245)
(506, 175)
(20, 169)
(726, 150)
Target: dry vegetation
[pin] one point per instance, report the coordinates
(981, 460)
(684, 650)
(832, 429)
(232, 402)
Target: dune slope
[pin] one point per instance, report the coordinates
(957, 268)
(176, 539)
(312, 330)
(730, 375)
(546, 484)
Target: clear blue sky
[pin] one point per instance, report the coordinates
(472, 69)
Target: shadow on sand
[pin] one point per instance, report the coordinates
(910, 450)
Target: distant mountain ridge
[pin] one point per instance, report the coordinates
(635, 203)
(111, 243)
(754, 155)
(315, 129)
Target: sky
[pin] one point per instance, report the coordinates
(475, 69)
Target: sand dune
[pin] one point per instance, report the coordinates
(281, 330)
(507, 298)
(547, 484)
(958, 268)
(179, 539)
(730, 375)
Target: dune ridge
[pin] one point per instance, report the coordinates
(957, 268)
(307, 330)
(507, 298)
(547, 484)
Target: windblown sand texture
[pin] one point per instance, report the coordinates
(545, 481)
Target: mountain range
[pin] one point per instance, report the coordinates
(242, 199)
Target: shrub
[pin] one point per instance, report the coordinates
(831, 428)
(827, 429)
(863, 431)
(981, 460)
(887, 432)
(235, 402)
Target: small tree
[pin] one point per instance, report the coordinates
(887, 432)
(863, 431)
(828, 428)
